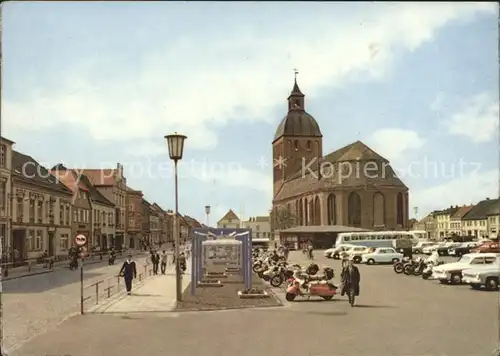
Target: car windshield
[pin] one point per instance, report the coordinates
(464, 259)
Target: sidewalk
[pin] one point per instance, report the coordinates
(24, 271)
(155, 294)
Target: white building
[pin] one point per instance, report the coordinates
(229, 221)
(260, 225)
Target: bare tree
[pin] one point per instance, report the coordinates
(284, 219)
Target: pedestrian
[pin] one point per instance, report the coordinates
(164, 258)
(155, 259)
(128, 272)
(350, 279)
(170, 257)
(182, 262)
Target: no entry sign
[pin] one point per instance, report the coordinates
(80, 240)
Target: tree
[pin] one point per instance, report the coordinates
(284, 219)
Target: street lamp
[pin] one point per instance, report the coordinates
(207, 212)
(175, 144)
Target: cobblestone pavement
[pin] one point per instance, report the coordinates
(32, 304)
(395, 315)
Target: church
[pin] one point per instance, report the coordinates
(317, 196)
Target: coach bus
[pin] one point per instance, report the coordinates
(374, 238)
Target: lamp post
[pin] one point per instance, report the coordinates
(175, 144)
(207, 212)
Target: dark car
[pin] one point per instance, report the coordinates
(462, 249)
(444, 250)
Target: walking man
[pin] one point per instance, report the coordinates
(129, 272)
(155, 259)
(164, 257)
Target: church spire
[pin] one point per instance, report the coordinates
(296, 98)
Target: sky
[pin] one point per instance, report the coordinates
(92, 84)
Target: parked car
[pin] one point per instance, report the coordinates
(356, 252)
(452, 272)
(443, 249)
(334, 252)
(382, 255)
(487, 276)
(427, 250)
(417, 249)
(462, 249)
(487, 247)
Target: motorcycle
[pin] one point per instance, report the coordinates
(284, 273)
(418, 269)
(408, 267)
(111, 259)
(307, 286)
(399, 266)
(427, 272)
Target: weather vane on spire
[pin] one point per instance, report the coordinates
(295, 72)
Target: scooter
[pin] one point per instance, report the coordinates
(284, 273)
(312, 286)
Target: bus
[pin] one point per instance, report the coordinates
(261, 242)
(374, 238)
(419, 234)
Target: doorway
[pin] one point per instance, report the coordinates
(51, 244)
(132, 244)
(18, 246)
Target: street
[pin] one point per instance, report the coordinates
(33, 304)
(395, 315)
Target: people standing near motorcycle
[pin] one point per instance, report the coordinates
(350, 279)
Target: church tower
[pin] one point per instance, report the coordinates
(298, 140)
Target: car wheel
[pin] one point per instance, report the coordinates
(335, 256)
(328, 297)
(492, 284)
(356, 259)
(289, 297)
(371, 261)
(456, 278)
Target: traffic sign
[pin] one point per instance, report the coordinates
(80, 240)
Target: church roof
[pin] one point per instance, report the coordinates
(340, 169)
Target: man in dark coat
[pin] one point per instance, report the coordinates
(129, 272)
(155, 259)
(350, 278)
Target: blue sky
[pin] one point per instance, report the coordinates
(92, 84)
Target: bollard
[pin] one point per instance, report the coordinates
(97, 293)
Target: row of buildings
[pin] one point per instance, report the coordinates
(481, 221)
(44, 209)
(260, 225)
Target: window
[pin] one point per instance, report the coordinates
(296, 145)
(477, 261)
(257, 227)
(61, 214)
(3, 156)
(39, 240)
(490, 260)
(32, 210)
(30, 240)
(75, 215)
(224, 226)
(67, 216)
(40, 211)
(81, 216)
(3, 195)
(64, 242)
(308, 145)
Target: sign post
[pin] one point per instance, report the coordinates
(80, 241)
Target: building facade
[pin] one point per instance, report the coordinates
(5, 194)
(456, 220)
(134, 217)
(145, 219)
(475, 222)
(154, 225)
(82, 209)
(103, 218)
(353, 186)
(41, 211)
(260, 225)
(443, 219)
(112, 184)
(230, 220)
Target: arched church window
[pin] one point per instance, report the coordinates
(330, 207)
(306, 213)
(309, 145)
(378, 209)
(296, 145)
(399, 209)
(354, 210)
(317, 212)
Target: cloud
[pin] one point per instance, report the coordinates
(393, 143)
(469, 189)
(475, 118)
(243, 75)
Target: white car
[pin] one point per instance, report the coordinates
(382, 255)
(427, 250)
(418, 248)
(452, 272)
(336, 251)
(487, 275)
(355, 253)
